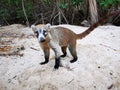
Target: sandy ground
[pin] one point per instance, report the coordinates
(97, 68)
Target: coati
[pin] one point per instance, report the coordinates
(56, 37)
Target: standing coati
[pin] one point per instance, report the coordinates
(55, 37)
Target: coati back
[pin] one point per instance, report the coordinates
(55, 37)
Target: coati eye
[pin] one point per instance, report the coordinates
(45, 33)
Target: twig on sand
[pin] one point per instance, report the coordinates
(12, 54)
(70, 81)
(34, 48)
(108, 47)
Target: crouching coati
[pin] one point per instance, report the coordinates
(55, 37)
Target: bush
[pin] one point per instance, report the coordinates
(12, 12)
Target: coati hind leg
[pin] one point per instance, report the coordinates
(46, 55)
(72, 49)
(64, 51)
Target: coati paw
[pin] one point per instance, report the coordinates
(72, 61)
(42, 63)
(56, 66)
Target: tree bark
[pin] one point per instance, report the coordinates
(93, 11)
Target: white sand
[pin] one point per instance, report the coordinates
(97, 68)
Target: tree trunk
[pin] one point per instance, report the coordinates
(93, 11)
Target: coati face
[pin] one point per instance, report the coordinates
(41, 35)
(41, 32)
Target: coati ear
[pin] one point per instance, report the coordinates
(33, 28)
(48, 26)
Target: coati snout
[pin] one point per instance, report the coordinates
(41, 35)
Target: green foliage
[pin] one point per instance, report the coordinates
(76, 2)
(73, 3)
(47, 1)
(64, 5)
(12, 10)
(108, 3)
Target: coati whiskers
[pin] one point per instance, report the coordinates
(59, 36)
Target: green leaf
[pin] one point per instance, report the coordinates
(64, 5)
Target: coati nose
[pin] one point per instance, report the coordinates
(42, 39)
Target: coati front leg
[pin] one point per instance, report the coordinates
(72, 49)
(56, 49)
(57, 58)
(64, 51)
(46, 55)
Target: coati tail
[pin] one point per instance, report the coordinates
(100, 22)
